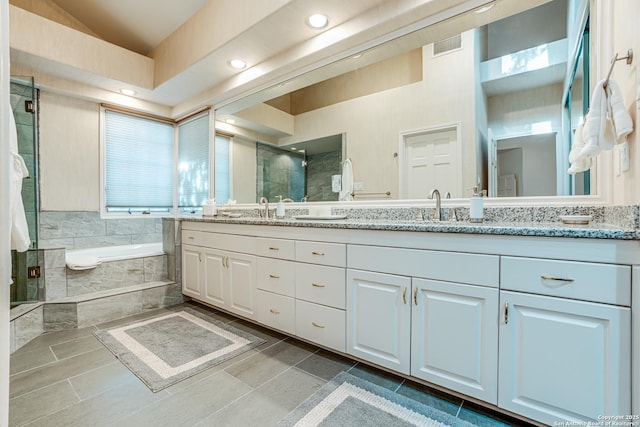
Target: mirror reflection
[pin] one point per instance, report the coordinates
(446, 107)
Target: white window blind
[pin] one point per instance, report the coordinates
(193, 162)
(222, 160)
(138, 163)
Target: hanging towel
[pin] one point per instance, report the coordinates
(579, 163)
(20, 240)
(607, 122)
(621, 120)
(593, 133)
(346, 194)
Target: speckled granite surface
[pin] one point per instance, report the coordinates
(520, 221)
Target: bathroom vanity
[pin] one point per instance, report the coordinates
(536, 321)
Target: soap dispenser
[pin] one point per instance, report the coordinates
(280, 208)
(476, 208)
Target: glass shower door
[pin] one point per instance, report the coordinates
(24, 265)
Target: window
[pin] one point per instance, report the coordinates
(193, 162)
(222, 169)
(138, 164)
(153, 166)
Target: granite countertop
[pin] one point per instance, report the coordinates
(542, 229)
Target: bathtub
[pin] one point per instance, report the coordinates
(82, 259)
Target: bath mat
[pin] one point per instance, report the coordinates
(347, 400)
(171, 347)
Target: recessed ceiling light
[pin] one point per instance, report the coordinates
(317, 21)
(357, 55)
(293, 148)
(237, 64)
(128, 92)
(230, 121)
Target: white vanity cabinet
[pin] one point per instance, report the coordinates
(563, 358)
(442, 331)
(539, 327)
(219, 277)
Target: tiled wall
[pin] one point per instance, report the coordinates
(78, 230)
(279, 173)
(320, 168)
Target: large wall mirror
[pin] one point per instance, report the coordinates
(476, 99)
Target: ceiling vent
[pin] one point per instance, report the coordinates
(447, 45)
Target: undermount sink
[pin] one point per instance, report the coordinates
(320, 217)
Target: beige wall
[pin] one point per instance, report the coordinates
(69, 154)
(626, 35)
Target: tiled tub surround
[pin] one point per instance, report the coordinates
(79, 230)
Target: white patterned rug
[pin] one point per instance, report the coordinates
(347, 400)
(171, 347)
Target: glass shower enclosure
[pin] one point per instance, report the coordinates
(24, 265)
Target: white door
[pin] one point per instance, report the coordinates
(454, 337)
(379, 318)
(191, 272)
(430, 160)
(563, 360)
(241, 273)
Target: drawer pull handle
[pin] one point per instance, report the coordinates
(317, 285)
(317, 253)
(273, 248)
(274, 311)
(404, 295)
(273, 276)
(415, 296)
(556, 279)
(191, 237)
(317, 325)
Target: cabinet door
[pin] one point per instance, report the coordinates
(191, 281)
(241, 275)
(379, 318)
(454, 337)
(563, 360)
(214, 277)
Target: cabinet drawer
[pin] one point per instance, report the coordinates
(472, 269)
(334, 254)
(229, 242)
(277, 311)
(605, 283)
(275, 248)
(190, 237)
(320, 324)
(276, 275)
(321, 284)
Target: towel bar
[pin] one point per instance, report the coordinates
(615, 59)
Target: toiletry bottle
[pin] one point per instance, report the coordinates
(280, 208)
(476, 208)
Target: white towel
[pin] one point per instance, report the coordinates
(579, 163)
(595, 124)
(20, 239)
(346, 194)
(621, 120)
(81, 262)
(607, 122)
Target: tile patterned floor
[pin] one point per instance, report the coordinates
(68, 378)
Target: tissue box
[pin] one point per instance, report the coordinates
(209, 210)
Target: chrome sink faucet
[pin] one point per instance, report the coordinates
(435, 193)
(264, 201)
